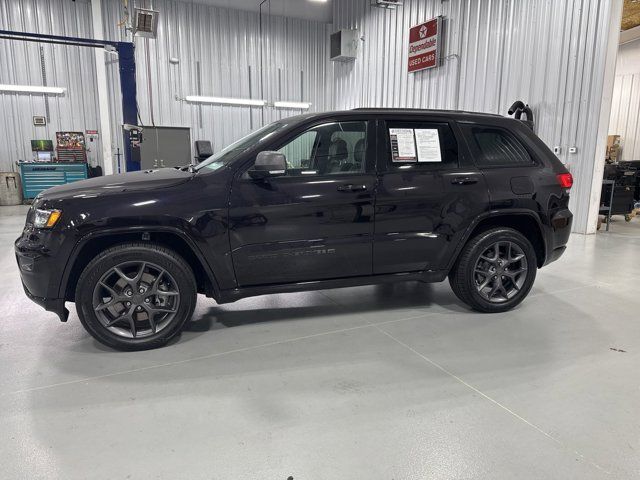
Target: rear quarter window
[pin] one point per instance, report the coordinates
(496, 147)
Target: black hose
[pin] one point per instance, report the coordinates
(518, 108)
(517, 105)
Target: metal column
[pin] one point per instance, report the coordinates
(127, 77)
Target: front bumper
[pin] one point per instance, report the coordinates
(39, 275)
(55, 305)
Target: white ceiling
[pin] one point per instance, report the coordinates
(305, 9)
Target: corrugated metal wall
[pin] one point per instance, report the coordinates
(549, 53)
(219, 55)
(69, 67)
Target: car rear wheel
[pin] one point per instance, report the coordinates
(135, 296)
(495, 270)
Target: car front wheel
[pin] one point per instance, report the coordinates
(495, 271)
(135, 296)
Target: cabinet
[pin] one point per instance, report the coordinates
(165, 147)
(37, 177)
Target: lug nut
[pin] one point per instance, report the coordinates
(128, 304)
(141, 290)
(138, 308)
(146, 300)
(128, 293)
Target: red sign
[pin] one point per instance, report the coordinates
(424, 45)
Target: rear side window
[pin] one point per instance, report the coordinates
(422, 145)
(496, 147)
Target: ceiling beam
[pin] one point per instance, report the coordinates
(630, 35)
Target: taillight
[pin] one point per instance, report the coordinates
(565, 180)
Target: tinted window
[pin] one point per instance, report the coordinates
(232, 151)
(495, 147)
(300, 151)
(329, 149)
(424, 145)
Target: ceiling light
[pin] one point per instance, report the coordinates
(296, 105)
(226, 101)
(32, 89)
(390, 4)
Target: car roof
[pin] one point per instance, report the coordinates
(423, 111)
(460, 115)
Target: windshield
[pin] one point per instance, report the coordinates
(231, 152)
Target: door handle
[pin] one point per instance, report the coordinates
(350, 187)
(464, 180)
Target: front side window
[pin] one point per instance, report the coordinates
(299, 152)
(231, 152)
(328, 149)
(496, 147)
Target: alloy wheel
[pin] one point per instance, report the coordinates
(500, 271)
(136, 299)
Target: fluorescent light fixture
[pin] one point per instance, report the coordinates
(31, 89)
(226, 101)
(297, 105)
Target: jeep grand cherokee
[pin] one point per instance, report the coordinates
(310, 202)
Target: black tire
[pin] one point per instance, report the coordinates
(465, 282)
(169, 261)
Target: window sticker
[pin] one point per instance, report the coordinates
(428, 145)
(403, 147)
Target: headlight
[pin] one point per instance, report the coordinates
(46, 218)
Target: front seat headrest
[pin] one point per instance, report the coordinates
(338, 150)
(358, 151)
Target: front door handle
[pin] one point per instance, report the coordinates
(464, 180)
(350, 187)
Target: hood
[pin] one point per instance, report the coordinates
(125, 182)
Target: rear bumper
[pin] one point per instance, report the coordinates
(558, 235)
(555, 254)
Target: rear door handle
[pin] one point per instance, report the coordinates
(464, 180)
(350, 187)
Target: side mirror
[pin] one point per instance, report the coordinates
(268, 164)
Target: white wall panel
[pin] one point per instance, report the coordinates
(68, 67)
(625, 111)
(219, 53)
(548, 53)
(625, 108)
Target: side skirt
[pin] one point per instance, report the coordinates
(228, 296)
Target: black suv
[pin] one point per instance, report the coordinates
(310, 202)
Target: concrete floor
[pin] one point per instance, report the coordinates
(390, 382)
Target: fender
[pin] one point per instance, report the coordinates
(496, 214)
(137, 229)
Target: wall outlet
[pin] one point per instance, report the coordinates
(573, 150)
(557, 150)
